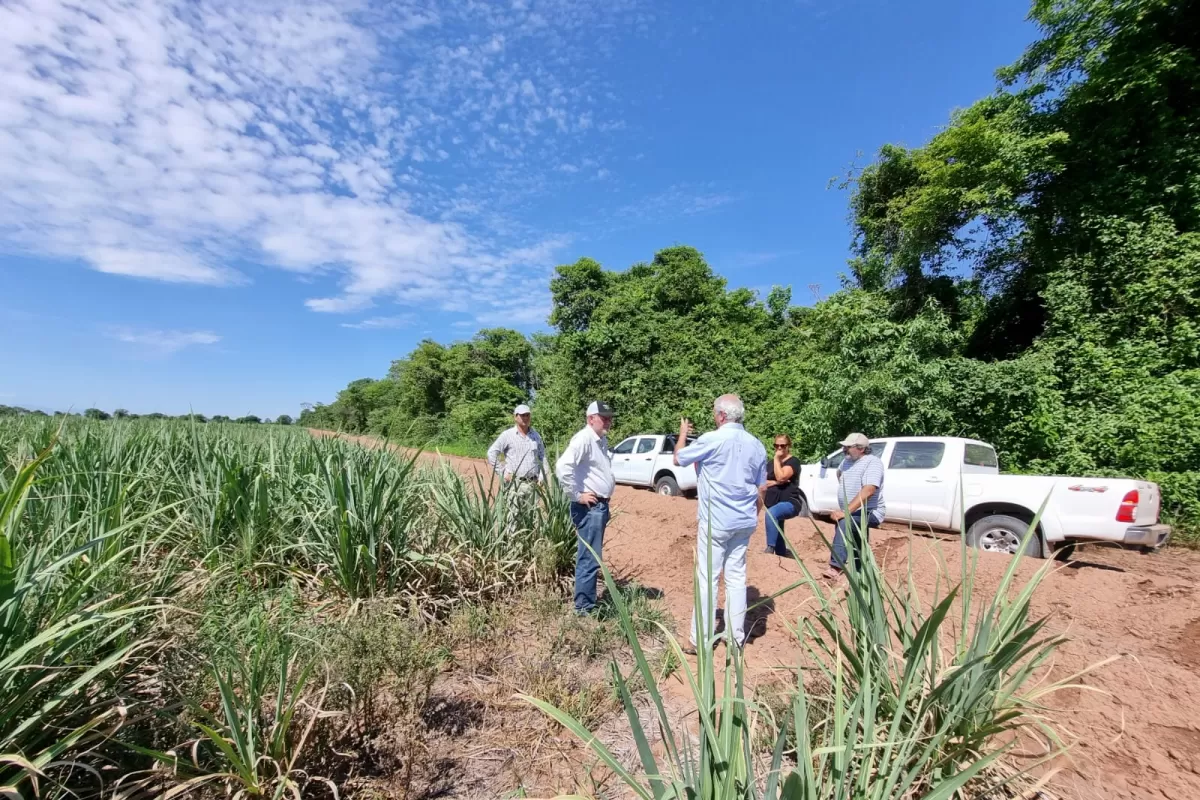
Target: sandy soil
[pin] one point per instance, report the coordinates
(1136, 735)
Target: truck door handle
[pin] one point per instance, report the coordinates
(933, 480)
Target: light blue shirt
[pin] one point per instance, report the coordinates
(731, 465)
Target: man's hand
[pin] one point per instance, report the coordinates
(588, 499)
(836, 515)
(685, 429)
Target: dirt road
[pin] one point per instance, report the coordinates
(1136, 736)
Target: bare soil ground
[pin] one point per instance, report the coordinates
(1135, 732)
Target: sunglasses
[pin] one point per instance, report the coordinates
(779, 446)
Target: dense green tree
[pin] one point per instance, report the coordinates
(95, 413)
(284, 419)
(1030, 276)
(249, 419)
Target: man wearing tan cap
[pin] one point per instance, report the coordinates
(860, 497)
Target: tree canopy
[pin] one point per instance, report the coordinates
(1030, 276)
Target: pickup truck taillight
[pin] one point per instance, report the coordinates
(1128, 510)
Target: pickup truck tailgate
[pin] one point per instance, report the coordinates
(1149, 502)
(1088, 506)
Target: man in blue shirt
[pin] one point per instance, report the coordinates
(731, 467)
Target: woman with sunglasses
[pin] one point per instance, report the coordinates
(782, 498)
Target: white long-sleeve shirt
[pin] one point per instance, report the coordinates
(586, 466)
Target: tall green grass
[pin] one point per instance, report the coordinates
(124, 546)
(894, 697)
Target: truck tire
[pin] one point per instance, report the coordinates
(667, 486)
(1000, 533)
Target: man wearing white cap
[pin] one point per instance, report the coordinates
(860, 500)
(524, 461)
(522, 449)
(585, 473)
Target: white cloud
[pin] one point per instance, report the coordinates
(174, 140)
(158, 342)
(377, 323)
(675, 201)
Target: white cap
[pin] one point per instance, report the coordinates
(856, 440)
(521, 409)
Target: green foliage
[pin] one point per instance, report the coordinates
(893, 698)
(1030, 277)
(464, 393)
(152, 568)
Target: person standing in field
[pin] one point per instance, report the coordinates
(860, 497)
(585, 473)
(782, 498)
(519, 456)
(731, 466)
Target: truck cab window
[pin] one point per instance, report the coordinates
(917, 455)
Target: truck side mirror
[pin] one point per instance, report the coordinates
(824, 462)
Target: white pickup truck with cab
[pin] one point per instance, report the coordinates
(648, 460)
(929, 482)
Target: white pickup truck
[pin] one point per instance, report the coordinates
(930, 481)
(648, 460)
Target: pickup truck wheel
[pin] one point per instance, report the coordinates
(667, 486)
(1001, 533)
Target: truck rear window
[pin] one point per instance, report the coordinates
(917, 455)
(980, 455)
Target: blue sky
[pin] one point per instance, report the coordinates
(239, 207)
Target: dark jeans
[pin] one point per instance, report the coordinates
(858, 538)
(589, 524)
(776, 514)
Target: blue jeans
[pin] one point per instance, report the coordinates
(858, 533)
(776, 514)
(589, 525)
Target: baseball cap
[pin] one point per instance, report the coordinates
(856, 440)
(599, 407)
(521, 409)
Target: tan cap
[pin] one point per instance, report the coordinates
(856, 440)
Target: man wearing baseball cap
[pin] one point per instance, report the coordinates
(585, 473)
(860, 497)
(522, 449)
(524, 461)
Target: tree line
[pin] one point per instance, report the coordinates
(1030, 277)
(121, 413)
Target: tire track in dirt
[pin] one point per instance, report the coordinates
(1136, 728)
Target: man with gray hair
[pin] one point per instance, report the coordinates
(731, 468)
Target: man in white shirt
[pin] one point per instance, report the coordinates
(731, 468)
(584, 471)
